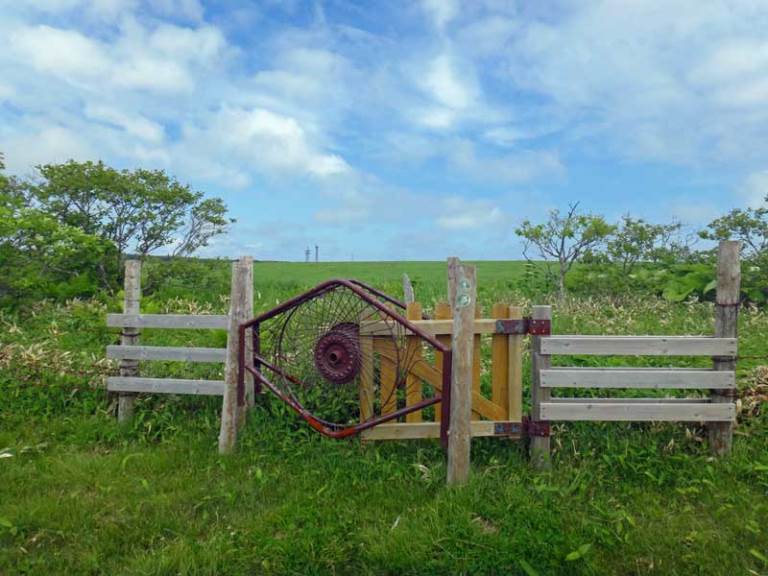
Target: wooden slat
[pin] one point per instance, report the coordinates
(638, 411)
(434, 377)
(636, 378)
(413, 394)
(477, 361)
(658, 400)
(387, 389)
(167, 353)
(515, 368)
(165, 385)
(442, 312)
(437, 327)
(639, 345)
(420, 430)
(366, 390)
(499, 360)
(202, 321)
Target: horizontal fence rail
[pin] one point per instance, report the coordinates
(639, 345)
(624, 409)
(138, 384)
(178, 321)
(172, 353)
(682, 378)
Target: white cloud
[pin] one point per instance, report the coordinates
(134, 124)
(275, 143)
(755, 189)
(443, 82)
(511, 168)
(462, 214)
(63, 53)
(441, 12)
(666, 85)
(44, 145)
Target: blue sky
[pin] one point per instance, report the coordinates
(399, 130)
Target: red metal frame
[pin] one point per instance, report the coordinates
(366, 293)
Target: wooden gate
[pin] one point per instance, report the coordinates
(497, 391)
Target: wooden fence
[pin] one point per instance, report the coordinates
(130, 352)
(718, 409)
(493, 393)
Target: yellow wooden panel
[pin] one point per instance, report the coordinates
(388, 385)
(442, 312)
(413, 354)
(366, 384)
(515, 369)
(499, 361)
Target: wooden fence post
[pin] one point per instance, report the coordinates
(231, 416)
(409, 296)
(726, 326)
(130, 335)
(463, 294)
(540, 444)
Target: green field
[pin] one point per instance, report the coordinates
(81, 495)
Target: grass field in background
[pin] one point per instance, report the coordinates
(81, 495)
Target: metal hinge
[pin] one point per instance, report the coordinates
(524, 326)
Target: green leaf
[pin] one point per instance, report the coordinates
(578, 553)
(527, 568)
(760, 556)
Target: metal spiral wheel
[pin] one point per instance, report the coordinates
(324, 351)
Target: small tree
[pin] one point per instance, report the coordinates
(565, 238)
(749, 225)
(636, 240)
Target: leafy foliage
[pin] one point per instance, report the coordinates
(565, 238)
(139, 210)
(41, 257)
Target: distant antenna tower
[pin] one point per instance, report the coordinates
(317, 254)
(306, 254)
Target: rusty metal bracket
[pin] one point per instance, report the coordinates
(535, 427)
(524, 326)
(519, 326)
(507, 428)
(539, 327)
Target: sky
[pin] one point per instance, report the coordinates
(397, 129)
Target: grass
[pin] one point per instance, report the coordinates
(81, 495)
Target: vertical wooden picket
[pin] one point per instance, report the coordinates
(388, 386)
(130, 335)
(477, 359)
(500, 388)
(442, 312)
(366, 390)
(413, 354)
(515, 369)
